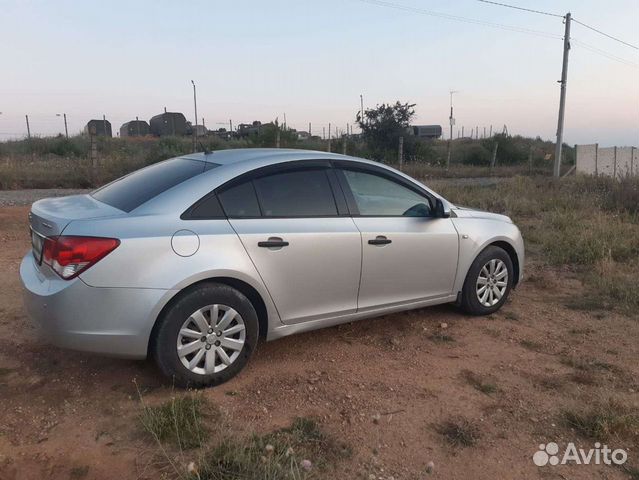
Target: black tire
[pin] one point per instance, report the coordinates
(470, 302)
(165, 338)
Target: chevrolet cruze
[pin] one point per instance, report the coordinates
(191, 260)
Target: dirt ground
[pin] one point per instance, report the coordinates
(383, 386)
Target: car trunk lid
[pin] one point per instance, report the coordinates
(50, 216)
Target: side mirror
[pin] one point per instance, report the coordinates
(441, 211)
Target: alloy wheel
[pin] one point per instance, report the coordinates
(492, 282)
(211, 339)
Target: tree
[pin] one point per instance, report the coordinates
(383, 125)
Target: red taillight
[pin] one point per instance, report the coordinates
(69, 256)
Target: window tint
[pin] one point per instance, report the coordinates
(206, 209)
(301, 193)
(131, 191)
(240, 201)
(380, 196)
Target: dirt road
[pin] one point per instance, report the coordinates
(383, 386)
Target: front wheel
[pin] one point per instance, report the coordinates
(206, 337)
(488, 282)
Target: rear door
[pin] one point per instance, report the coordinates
(408, 254)
(294, 224)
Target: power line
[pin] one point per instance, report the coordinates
(522, 8)
(604, 53)
(605, 34)
(421, 11)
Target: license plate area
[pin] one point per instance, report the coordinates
(37, 243)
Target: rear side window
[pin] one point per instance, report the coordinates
(303, 193)
(240, 201)
(131, 191)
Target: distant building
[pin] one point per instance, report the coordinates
(135, 128)
(302, 135)
(222, 133)
(248, 129)
(427, 131)
(169, 123)
(201, 130)
(100, 128)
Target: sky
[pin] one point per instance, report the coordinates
(310, 61)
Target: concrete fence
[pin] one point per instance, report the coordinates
(615, 162)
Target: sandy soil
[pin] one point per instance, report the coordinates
(70, 415)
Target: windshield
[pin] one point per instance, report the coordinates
(129, 192)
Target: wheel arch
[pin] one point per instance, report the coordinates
(245, 288)
(512, 253)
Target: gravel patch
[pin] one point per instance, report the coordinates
(12, 198)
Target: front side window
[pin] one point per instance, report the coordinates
(378, 196)
(302, 193)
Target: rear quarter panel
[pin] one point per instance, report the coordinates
(146, 259)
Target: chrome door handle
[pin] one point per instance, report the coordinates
(380, 240)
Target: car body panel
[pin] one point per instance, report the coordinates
(50, 216)
(317, 274)
(419, 264)
(71, 314)
(476, 234)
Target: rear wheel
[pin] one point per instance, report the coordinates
(206, 337)
(488, 282)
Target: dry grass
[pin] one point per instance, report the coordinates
(301, 451)
(604, 421)
(479, 382)
(179, 421)
(459, 432)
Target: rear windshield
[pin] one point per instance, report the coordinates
(131, 191)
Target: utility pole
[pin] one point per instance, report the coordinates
(494, 158)
(230, 125)
(451, 120)
(462, 131)
(66, 130)
(28, 129)
(309, 130)
(562, 98)
(329, 137)
(361, 104)
(195, 107)
(323, 133)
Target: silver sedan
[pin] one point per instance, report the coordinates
(192, 259)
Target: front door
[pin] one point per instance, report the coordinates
(408, 255)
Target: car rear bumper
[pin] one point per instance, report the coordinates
(74, 315)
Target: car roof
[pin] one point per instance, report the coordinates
(238, 155)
